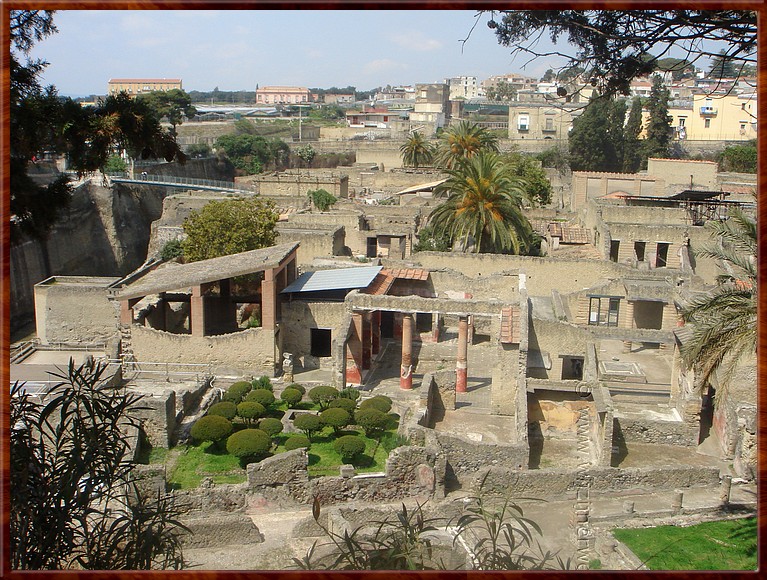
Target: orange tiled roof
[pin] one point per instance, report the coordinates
(408, 273)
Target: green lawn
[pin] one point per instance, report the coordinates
(722, 545)
(196, 462)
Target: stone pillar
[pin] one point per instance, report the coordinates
(435, 327)
(724, 494)
(676, 502)
(376, 332)
(626, 346)
(463, 350)
(406, 370)
(126, 311)
(197, 312)
(354, 351)
(367, 339)
(269, 301)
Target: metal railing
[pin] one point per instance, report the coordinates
(139, 368)
(184, 182)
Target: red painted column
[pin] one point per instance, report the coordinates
(463, 349)
(406, 370)
(268, 301)
(367, 339)
(376, 332)
(126, 311)
(354, 351)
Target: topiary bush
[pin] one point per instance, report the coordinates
(349, 393)
(224, 408)
(249, 445)
(348, 447)
(298, 387)
(291, 396)
(336, 418)
(263, 383)
(379, 402)
(371, 420)
(307, 423)
(340, 403)
(322, 395)
(270, 426)
(250, 411)
(237, 391)
(296, 442)
(213, 428)
(261, 396)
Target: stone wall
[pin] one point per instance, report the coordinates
(251, 350)
(73, 309)
(158, 419)
(299, 317)
(298, 183)
(215, 530)
(680, 174)
(644, 430)
(551, 483)
(316, 243)
(558, 339)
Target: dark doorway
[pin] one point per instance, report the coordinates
(372, 248)
(662, 255)
(648, 314)
(387, 324)
(706, 415)
(321, 340)
(614, 247)
(639, 248)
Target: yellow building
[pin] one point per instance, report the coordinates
(716, 118)
(138, 86)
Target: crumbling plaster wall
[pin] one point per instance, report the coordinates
(316, 243)
(250, 350)
(299, 317)
(559, 339)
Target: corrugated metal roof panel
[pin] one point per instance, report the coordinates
(338, 279)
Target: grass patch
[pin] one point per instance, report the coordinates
(722, 545)
(196, 462)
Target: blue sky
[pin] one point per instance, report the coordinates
(235, 50)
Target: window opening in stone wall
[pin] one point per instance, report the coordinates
(661, 257)
(603, 311)
(320, 342)
(639, 249)
(572, 368)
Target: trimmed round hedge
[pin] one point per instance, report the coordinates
(270, 426)
(349, 393)
(371, 420)
(379, 402)
(336, 418)
(346, 404)
(297, 442)
(308, 423)
(211, 428)
(263, 383)
(249, 443)
(348, 447)
(237, 391)
(291, 396)
(250, 410)
(224, 408)
(322, 395)
(261, 396)
(297, 386)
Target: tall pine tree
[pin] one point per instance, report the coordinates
(658, 137)
(632, 146)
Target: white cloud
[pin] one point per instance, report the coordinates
(383, 65)
(412, 40)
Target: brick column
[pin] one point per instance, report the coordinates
(367, 339)
(126, 310)
(268, 301)
(354, 351)
(406, 370)
(197, 312)
(463, 351)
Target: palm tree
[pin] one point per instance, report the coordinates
(724, 319)
(463, 141)
(484, 206)
(416, 151)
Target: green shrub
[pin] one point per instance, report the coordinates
(350, 393)
(224, 408)
(296, 442)
(297, 386)
(263, 383)
(270, 426)
(336, 418)
(261, 396)
(341, 403)
(391, 441)
(213, 428)
(379, 402)
(308, 423)
(322, 199)
(237, 391)
(250, 410)
(322, 395)
(172, 249)
(249, 444)
(348, 447)
(371, 420)
(291, 396)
